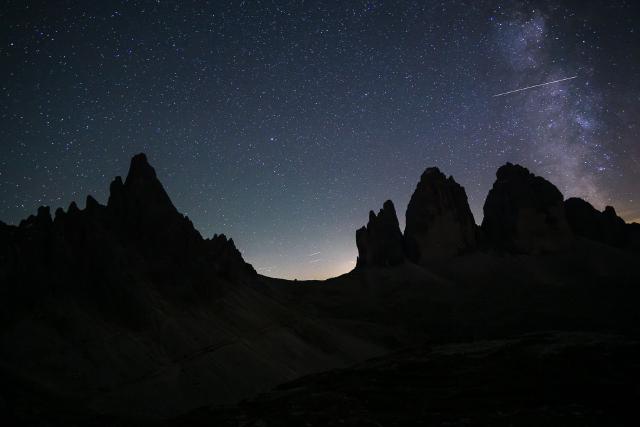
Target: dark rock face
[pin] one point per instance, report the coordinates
(524, 213)
(634, 236)
(141, 210)
(138, 234)
(605, 227)
(141, 195)
(380, 243)
(439, 221)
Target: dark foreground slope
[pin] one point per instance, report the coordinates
(532, 380)
(123, 313)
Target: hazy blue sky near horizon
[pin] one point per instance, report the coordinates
(281, 124)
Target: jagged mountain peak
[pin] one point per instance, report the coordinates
(388, 213)
(432, 172)
(140, 169)
(380, 242)
(141, 190)
(138, 234)
(524, 212)
(439, 220)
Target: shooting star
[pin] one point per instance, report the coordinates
(531, 87)
(315, 253)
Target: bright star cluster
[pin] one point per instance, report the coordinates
(282, 123)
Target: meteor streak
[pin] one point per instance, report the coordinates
(530, 87)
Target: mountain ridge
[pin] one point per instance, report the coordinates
(142, 195)
(523, 213)
(114, 308)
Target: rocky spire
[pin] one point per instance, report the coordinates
(524, 213)
(142, 209)
(141, 191)
(380, 242)
(140, 170)
(439, 221)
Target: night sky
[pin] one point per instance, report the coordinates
(281, 124)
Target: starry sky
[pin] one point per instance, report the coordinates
(281, 124)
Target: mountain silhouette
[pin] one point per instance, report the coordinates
(123, 312)
(380, 243)
(439, 222)
(523, 214)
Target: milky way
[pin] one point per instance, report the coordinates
(282, 124)
(560, 121)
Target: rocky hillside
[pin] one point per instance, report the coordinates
(538, 379)
(119, 307)
(124, 313)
